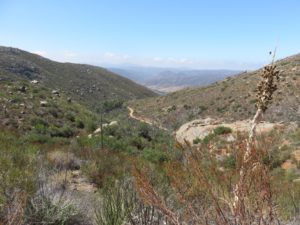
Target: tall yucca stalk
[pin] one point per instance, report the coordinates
(251, 162)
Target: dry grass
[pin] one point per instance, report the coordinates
(63, 160)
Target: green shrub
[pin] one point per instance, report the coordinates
(173, 108)
(224, 88)
(35, 91)
(208, 138)
(202, 107)
(56, 113)
(37, 138)
(138, 142)
(222, 130)
(144, 131)
(18, 169)
(197, 141)
(154, 156)
(90, 125)
(79, 124)
(277, 156)
(65, 132)
(186, 107)
(46, 209)
(118, 203)
(40, 129)
(286, 192)
(106, 167)
(230, 162)
(221, 109)
(93, 143)
(70, 116)
(38, 121)
(111, 105)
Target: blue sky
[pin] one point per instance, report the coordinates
(207, 34)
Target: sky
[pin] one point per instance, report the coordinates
(211, 34)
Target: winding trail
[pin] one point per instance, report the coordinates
(143, 119)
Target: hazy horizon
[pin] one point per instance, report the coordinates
(178, 34)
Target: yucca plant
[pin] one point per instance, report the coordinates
(116, 204)
(251, 159)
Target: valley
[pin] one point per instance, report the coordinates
(166, 80)
(78, 152)
(149, 112)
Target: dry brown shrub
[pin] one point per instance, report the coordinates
(207, 194)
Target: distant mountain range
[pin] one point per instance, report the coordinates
(172, 79)
(231, 99)
(89, 85)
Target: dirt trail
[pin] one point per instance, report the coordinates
(74, 180)
(143, 119)
(78, 182)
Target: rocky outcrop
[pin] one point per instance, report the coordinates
(202, 127)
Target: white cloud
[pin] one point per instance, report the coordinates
(70, 54)
(112, 58)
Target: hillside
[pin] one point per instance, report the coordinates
(87, 84)
(41, 115)
(50, 142)
(172, 79)
(231, 99)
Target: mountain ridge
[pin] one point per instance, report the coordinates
(87, 84)
(172, 79)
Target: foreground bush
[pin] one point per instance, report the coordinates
(17, 176)
(45, 210)
(206, 193)
(117, 204)
(121, 205)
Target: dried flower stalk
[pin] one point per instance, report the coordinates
(251, 161)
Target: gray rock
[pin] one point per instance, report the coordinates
(75, 164)
(34, 82)
(55, 92)
(43, 103)
(22, 89)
